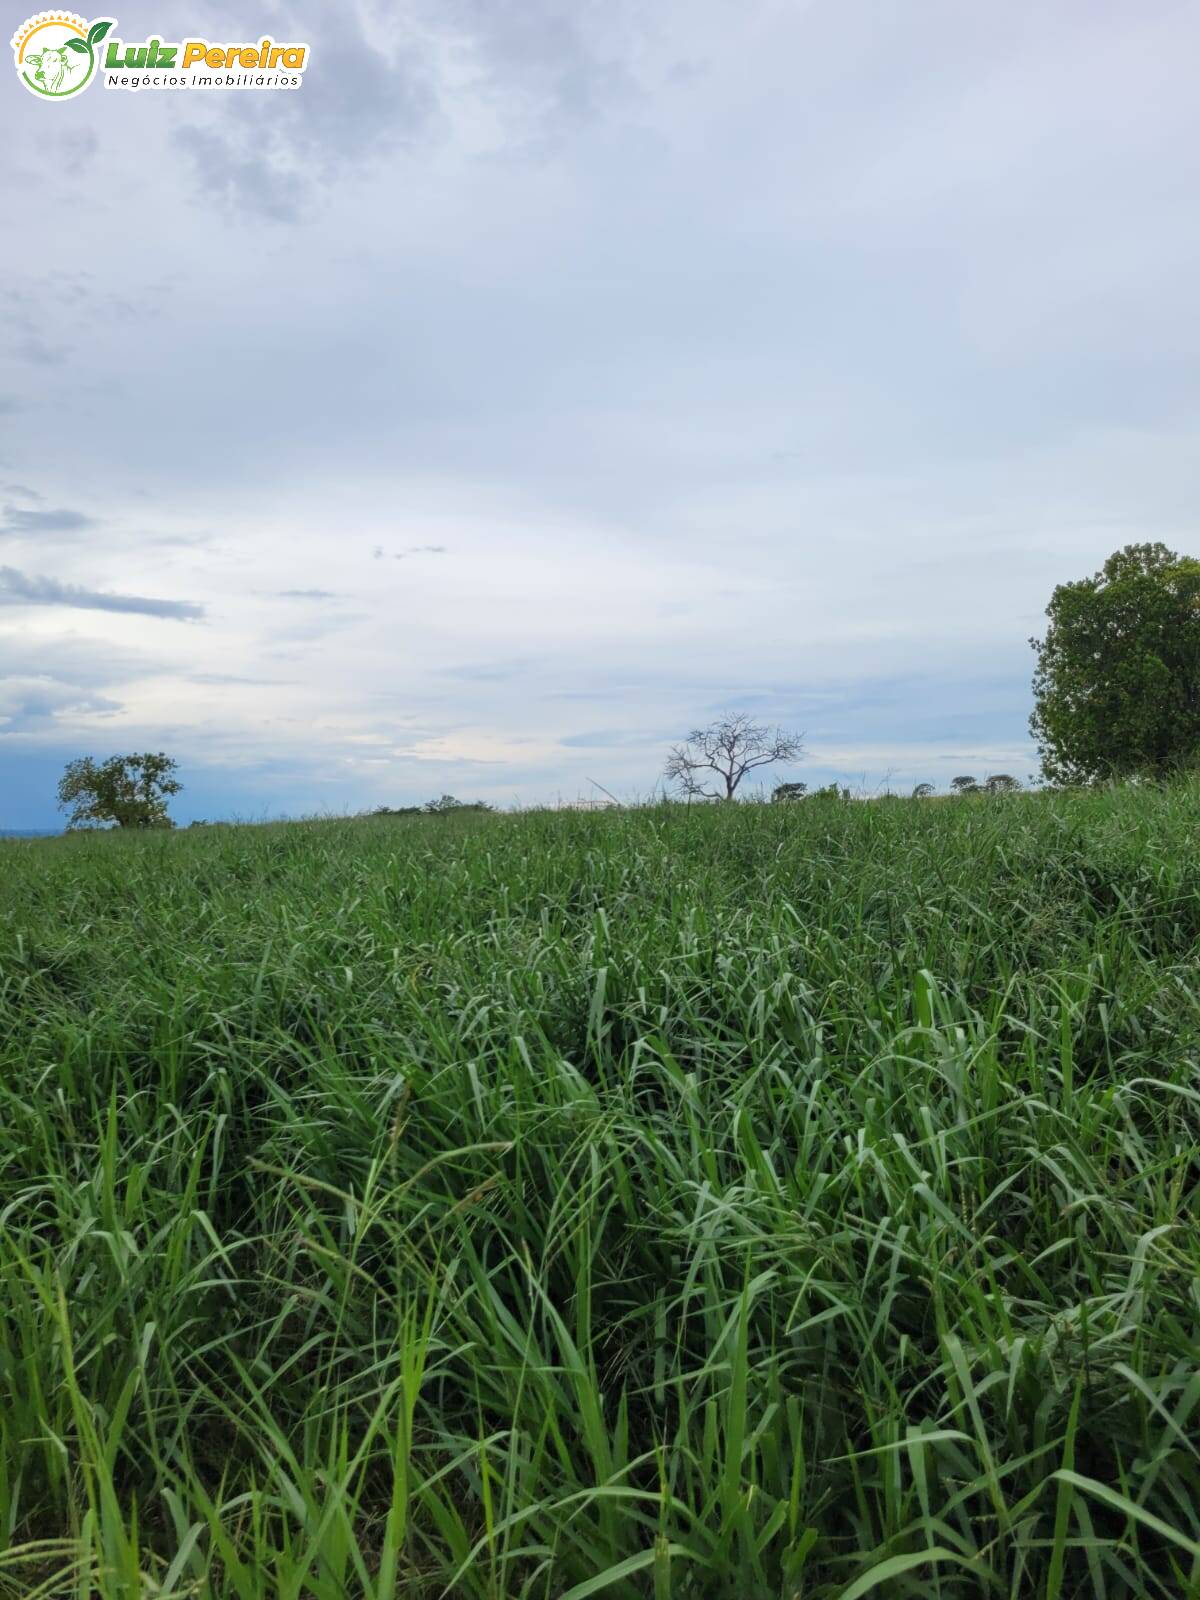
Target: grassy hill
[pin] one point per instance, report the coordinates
(753, 1201)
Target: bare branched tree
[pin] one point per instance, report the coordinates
(728, 749)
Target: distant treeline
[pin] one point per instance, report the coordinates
(997, 783)
(432, 808)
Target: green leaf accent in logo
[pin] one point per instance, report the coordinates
(77, 44)
(97, 31)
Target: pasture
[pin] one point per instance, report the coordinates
(749, 1201)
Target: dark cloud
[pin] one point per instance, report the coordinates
(78, 148)
(22, 589)
(231, 172)
(28, 341)
(21, 519)
(541, 67)
(544, 58)
(56, 301)
(410, 550)
(264, 153)
(33, 348)
(25, 702)
(76, 661)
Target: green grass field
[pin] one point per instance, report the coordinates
(750, 1201)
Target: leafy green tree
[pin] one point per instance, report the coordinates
(789, 791)
(922, 791)
(1117, 684)
(128, 791)
(964, 785)
(1002, 783)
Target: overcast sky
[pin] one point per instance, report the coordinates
(545, 377)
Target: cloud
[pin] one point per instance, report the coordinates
(378, 552)
(616, 738)
(266, 154)
(27, 701)
(305, 594)
(240, 679)
(29, 343)
(33, 348)
(21, 519)
(230, 168)
(76, 661)
(488, 671)
(530, 73)
(549, 64)
(78, 148)
(19, 588)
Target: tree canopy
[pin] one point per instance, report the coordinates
(128, 791)
(1117, 684)
(728, 749)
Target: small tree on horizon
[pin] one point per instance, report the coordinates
(1002, 783)
(124, 791)
(964, 785)
(448, 802)
(789, 791)
(728, 748)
